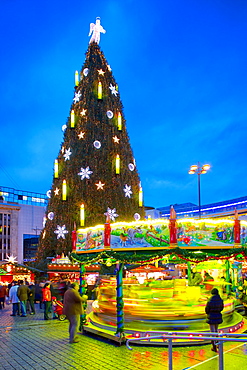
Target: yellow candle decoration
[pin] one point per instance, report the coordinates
(64, 190)
(82, 215)
(72, 118)
(56, 169)
(117, 164)
(140, 196)
(119, 121)
(99, 90)
(76, 78)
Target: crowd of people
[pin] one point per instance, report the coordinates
(23, 296)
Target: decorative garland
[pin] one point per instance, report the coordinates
(120, 302)
(142, 257)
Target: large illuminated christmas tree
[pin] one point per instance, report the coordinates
(95, 172)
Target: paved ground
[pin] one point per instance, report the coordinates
(32, 343)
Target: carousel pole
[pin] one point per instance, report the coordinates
(173, 228)
(82, 290)
(228, 287)
(120, 302)
(236, 230)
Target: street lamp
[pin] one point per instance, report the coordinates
(199, 170)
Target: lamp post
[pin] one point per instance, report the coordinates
(199, 170)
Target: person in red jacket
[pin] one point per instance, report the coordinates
(46, 298)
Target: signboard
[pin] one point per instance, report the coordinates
(155, 233)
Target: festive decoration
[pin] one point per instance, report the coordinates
(74, 237)
(137, 216)
(111, 213)
(11, 259)
(99, 90)
(131, 166)
(101, 72)
(95, 123)
(82, 215)
(172, 226)
(236, 228)
(140, 196)
(81, 135)
(85, 71)
(61, 231)
(119, 121)
(107, 232)
(97, 144)
(48, 193)
(85, 173)
(100, 185)
(83, 112)
(116, 139)
(77, 97)
(76, 78)
(56, 169)
(117, 164)
(127, 190)
(64, 190)
(113, 90)
(96, 29)
(56, 191)
(51, 215)
(67, 154)
(109, 114)
(72, 119)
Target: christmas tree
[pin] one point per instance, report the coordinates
(95, 172)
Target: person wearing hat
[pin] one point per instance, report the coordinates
(213, 310)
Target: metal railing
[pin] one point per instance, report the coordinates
(219, 338)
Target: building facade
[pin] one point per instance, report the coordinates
(21, 221)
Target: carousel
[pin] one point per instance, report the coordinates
(178, 264)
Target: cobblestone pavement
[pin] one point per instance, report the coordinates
(32, 343)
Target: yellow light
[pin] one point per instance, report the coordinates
(206, 167)
(203, 171)
(76, 78)
(56, 169)
(117, 164)
(140, 196)
(72, 118)
(82, 215)
(193, 167)
(191, 172)
(119, 121)
(64, 192)
(99, 90)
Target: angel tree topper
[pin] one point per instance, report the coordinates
(95, 30)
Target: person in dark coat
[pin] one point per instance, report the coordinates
(30, 301)
(73, 308)
(213, 310)
(22, 294)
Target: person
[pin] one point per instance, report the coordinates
(3, 294)
(46, 298)
(22, 294)
(73, 309)
(13, 298)
(31, 297)
(208, 278)
(196, 278)
(213, 310)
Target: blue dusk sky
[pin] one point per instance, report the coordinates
(181, 70)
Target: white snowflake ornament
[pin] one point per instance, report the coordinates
(85, 173)
(77, 97)
(111, 213)
(67, 154)
(113, 90)
(61, 231)
(127, 190)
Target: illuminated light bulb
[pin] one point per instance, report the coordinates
(99, 90)
(56, 169)
(82, 215)
(191, 172)
(72, 118)
(64, 190)
(117, 164)
(119, 121)
(193, 167)
(76, 78)
(140, 196)
(206, 167)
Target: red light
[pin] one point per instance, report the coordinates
(137, 335)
